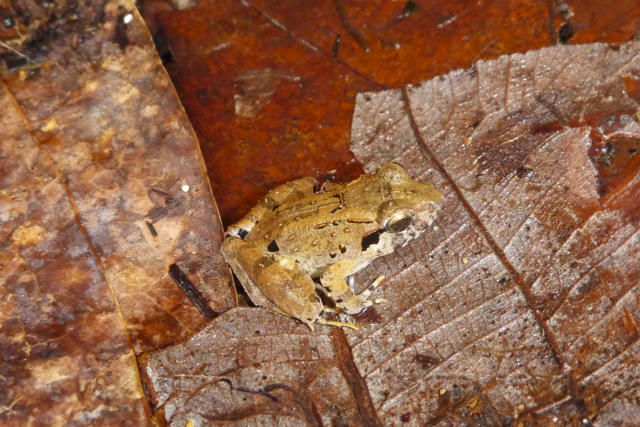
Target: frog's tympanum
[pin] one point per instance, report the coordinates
(295, 235)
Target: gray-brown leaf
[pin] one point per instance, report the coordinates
(523, 302)
(255, 367)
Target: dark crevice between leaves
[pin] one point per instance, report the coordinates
(243, 297)
(162, 46)
(190, 290)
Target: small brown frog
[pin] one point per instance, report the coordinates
(295, 235)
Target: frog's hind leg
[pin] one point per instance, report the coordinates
(253, 292)
(333, 279)
(273, 282)
(291, 190)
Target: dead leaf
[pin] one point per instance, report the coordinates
(102, 188)
(77, 291)
(538, 321)
(64, 351)
(255, 366)
(521, 304)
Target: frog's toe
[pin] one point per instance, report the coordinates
(339, 324)
(356, 305)
(310, 325)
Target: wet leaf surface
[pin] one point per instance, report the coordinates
(102, 188)
(65, 354)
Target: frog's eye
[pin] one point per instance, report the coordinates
(399, 221)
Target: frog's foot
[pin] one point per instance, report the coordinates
(338, 324)
(348, 302)
(338, 289)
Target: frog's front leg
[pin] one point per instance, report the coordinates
(333, 280)
(288, 191)
(273, 282)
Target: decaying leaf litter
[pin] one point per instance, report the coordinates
(96, 155)
(571, 292)
(523, 300)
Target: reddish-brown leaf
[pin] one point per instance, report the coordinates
(317, 55)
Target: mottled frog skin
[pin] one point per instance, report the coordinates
(295, 235)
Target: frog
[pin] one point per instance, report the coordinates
(302, 239)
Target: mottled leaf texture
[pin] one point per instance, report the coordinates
(255, 367)
(523, 303)
(65, 354)
(123, 148)
(102, 188)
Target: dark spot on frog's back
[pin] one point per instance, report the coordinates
(372, 238)
(273, 246)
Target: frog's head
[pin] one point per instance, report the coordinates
(409, 206)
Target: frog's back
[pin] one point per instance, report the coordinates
(320, 229)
